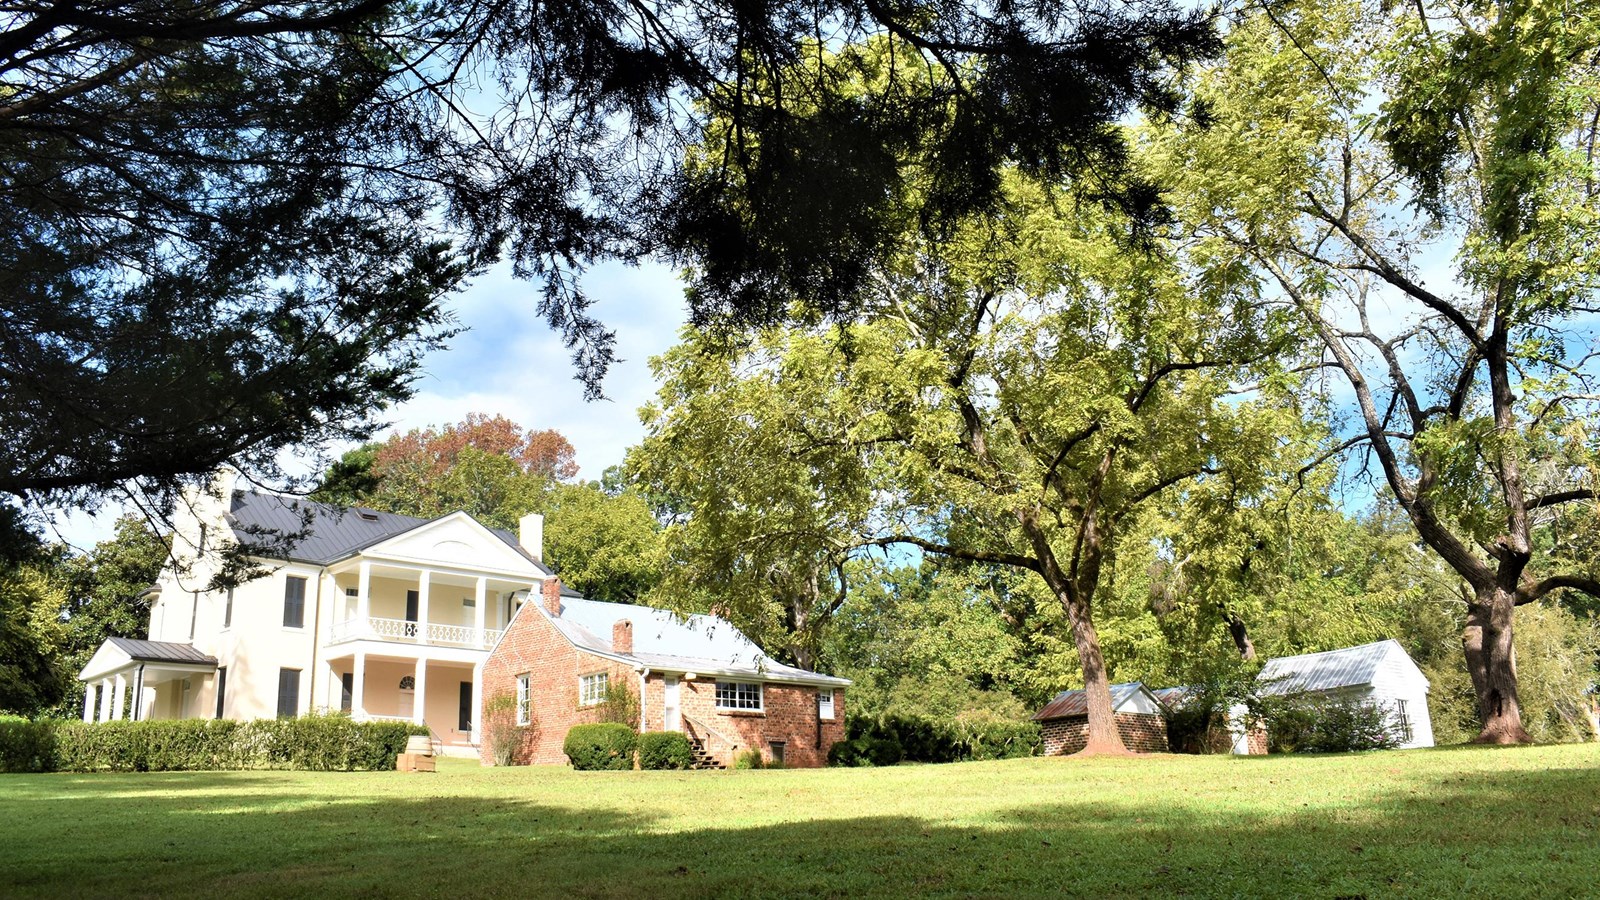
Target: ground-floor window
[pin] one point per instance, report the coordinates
(1403, 720)
(524, 700)
(288, 693)
(825, 703)
(776, 747)
(464, 709)
(739, 695)
(222, 687)
(592, 688)
(347, 690)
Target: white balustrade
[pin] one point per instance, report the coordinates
(404, 631)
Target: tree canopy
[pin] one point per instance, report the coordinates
(1352, 145)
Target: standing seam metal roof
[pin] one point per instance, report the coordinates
(1328, 670)
(332, 533)
(663, 640)
(1076, 703)
(162, 651)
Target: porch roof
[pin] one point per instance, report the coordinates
(119, 653)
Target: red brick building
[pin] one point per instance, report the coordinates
(1065, 720)
(560, 658)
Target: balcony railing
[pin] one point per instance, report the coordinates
(403, 631)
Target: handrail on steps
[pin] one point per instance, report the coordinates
(732, 744)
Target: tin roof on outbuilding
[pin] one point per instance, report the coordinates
(1329, 670)
(1068, 704)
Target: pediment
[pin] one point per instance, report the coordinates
(456, 540)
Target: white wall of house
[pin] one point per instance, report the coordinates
(1399, 681)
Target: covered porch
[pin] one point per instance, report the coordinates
(440, 690)
(390, 601)
(139, 680)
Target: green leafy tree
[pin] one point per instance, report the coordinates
(1027, 390)
(606, 546)
(1353, 144)
(33, 676)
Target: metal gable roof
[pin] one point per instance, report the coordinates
(1075, 703)
(1328, 670)
(662, 640)
(161, 651)
(331, 532)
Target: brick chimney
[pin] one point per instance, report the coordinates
(552, 596)
(622, 636)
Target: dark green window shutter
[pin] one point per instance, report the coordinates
(294, 602)
(288, 693)
(464, 715)
(222, 687)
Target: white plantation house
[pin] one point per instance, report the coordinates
(381, 615)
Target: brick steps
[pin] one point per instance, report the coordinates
(703, 759)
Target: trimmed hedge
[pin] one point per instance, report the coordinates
(664, 750)
(330, 743)
(607, 746)
(886, 740)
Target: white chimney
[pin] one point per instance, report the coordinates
(531, 535)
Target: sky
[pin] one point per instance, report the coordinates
(509, 362)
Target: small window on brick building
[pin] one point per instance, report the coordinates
(739, 695)
(776, 748)
(592, 689)
(825, 703)
(524, 699)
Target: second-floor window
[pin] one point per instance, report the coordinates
(294, 602)
(592, 689)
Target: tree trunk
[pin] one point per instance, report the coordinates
(1492, 663)
(1240, 635)
(1103, 737)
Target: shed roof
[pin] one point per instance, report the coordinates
(320, 533)
(1071, 703)
(666, 642)
(1328, 670)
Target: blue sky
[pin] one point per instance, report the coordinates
(509, 362)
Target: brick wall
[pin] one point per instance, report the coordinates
(532, 645)
(789, 715)
(1141, 732)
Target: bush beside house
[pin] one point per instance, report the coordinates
(665, 750)
(313, 743)
(888, 739)
(603, 746)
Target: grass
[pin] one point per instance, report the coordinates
(1449, 822)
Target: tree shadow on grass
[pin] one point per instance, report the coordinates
(1531, 834)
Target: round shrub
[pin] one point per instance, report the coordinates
(664, 750)
(606, 746)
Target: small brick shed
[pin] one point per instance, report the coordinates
(1065, 720)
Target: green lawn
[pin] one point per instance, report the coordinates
(1455, 822)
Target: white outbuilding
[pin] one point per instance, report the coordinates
(1381, 673)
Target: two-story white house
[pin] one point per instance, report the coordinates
(381, 615)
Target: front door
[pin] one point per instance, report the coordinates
(408, 703)
(411, 614)
(669, 705)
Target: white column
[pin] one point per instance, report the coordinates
(419, 696)
(105, 699)
(88, 702)
(357, 710)
(363, 596)
(120, 697)
(422, 611)
(482, 599)
(477, 701)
